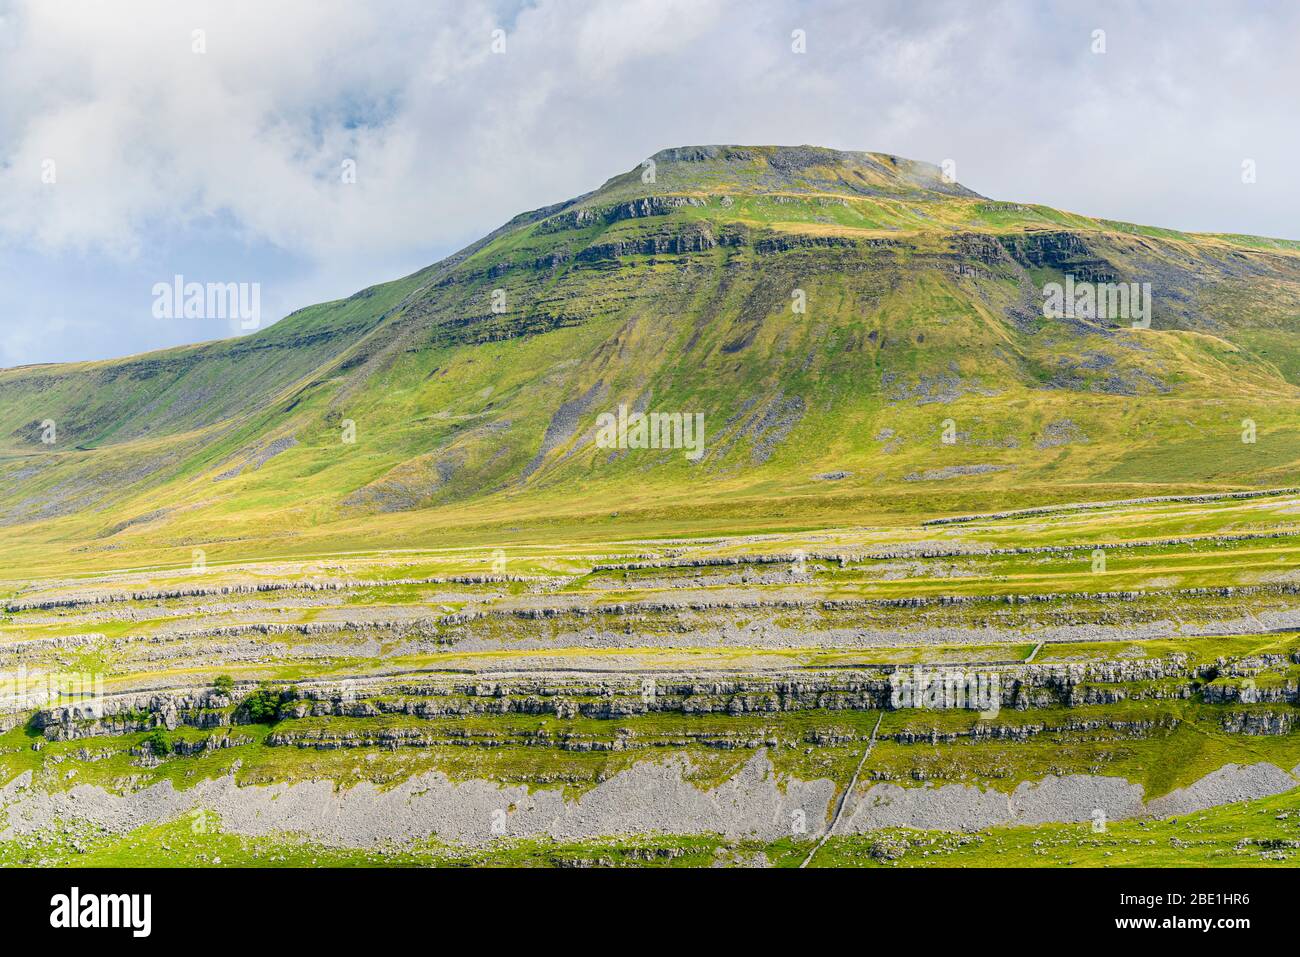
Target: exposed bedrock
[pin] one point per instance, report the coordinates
(649, 797)
(574, 694)
(1073, 798)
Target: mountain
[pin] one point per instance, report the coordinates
(766, 505)
(864, 341)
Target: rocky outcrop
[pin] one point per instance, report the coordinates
(207, 591)
(1063, 251)
(1259, 722)
(587, 216)
(613, 696)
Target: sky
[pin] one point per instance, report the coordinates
(315, 147)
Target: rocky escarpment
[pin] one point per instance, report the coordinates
(609, 697)
(587, 216)
(1063, 251)
(254, 588)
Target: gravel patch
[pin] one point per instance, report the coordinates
(650, 797)
(952, 471)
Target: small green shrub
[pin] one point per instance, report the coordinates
(263, 705)
(158, 742)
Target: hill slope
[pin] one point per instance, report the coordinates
(920, 375)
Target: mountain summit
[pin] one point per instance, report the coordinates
(759, 170)
(856, 336)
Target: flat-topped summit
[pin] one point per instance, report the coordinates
(782, 169)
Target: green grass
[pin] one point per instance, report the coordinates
(473, 442)
(450, 415)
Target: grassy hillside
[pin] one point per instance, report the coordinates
(473, 388)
